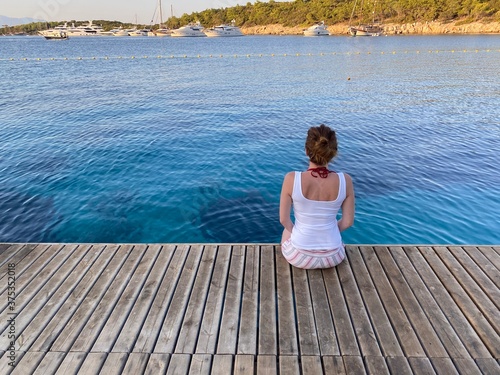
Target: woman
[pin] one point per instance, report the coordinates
(314, 240)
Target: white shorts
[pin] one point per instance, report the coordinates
(311, 259)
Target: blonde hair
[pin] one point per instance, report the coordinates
(321, 144)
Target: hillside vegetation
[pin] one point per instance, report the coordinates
(300, 13)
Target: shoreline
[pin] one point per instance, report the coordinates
(415, 28)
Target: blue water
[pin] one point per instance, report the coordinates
(152, 140)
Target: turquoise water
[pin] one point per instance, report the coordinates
(152, 140)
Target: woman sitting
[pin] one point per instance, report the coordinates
(314, 241)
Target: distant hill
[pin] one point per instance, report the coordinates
(11, 21)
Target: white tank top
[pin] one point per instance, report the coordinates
(315, 225)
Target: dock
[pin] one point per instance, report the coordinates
(242, 309)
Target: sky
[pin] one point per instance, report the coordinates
(113, 10)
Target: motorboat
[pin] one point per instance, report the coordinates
(318, 29)
(190, 30)
(162, 31)
(224, 30)
(119, 32)
(135, 32)
(53, 34)
(84, 30)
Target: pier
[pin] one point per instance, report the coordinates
(242, 309)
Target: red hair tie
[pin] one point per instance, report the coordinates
(322, 172)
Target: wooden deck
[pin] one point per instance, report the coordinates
(241, 309)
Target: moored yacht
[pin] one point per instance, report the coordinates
(53, 34)
(191, 30)
(224, 30)
(319, 29)
(119, 32)
(135, 32)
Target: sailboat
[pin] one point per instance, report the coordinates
(162, 30)
(365, 29)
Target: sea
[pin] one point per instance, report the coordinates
(187, 140)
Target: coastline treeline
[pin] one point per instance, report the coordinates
(306, 12)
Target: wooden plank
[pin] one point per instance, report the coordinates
(179, 364)
(71, 363)
(247, 342)
(477, 285)
(453, 315)
(311, 365)
(82, 337)
(230, 316)
(267, 313)
(308, 338)
(109, 333)
(266, 365)
(334, 365)
(60, 320)
(57, 309)
(222, 364)
(492, 254)
(484, 263)
(376, 366)
(488, 366)
(114, 364)
(49, 363)
(157, 364)
(430, 307)
(322, 315)
(73, 327)
(466, 366)
(209, 332)
(24, 263)
(131, 329)
(354, 365)
(27, 363)
(27, 309)
(188, 334)
(469, 309)
(444, 366)
(173, 320)
(386, 337)
(200, 364)
(400, 323)
(136, 363)
(287, 328)
(399, 365)
(359, 316)
(17, 253)
(421, 366)
(27, 286)
(346, 337)
(289, 365)
(149, 332)
(92, 364)
(422, 326)
(4, 251)
(244, 364)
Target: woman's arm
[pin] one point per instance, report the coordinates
(286, 201)
(347, 219)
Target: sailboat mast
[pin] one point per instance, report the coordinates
(161, 15)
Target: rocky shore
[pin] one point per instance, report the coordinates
(428, 28)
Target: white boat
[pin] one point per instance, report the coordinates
(319, 29)
(162, 32)
(54, 34)
(135, 32)
(224, 30)
(191, 30)
(84, 30)
(119, 32)
(373, 28)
